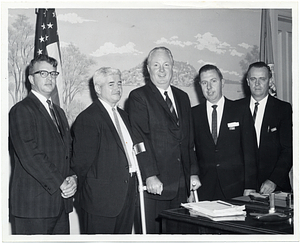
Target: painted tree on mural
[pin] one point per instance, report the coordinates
(183, 75)
(252, 56)
(75, 66)
(20, 52)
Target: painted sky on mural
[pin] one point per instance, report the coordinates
(122, 38)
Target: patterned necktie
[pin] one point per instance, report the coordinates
(171, 107)
(214, 124)
(54, 116)
(255, 111)
(121, 135)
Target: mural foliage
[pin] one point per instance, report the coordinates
(77, 69)
(20, 52)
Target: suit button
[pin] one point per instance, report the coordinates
(67, 157)
(216, 151)
(218, 165)
(126, 181)
(178, 159)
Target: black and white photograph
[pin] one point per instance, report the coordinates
(149, 121)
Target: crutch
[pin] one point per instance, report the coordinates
(139, 148)
(195, 194)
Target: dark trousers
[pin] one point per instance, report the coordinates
(211, 190)
(122, 224)
(154, 207)
(41, 226)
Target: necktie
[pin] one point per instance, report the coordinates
(214, 124)
(121, 135)
(171, 107)
(53, 116)
(255, 111)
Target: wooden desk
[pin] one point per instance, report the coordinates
(179, 221)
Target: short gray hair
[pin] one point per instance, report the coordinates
(160, 48)
(103, 72)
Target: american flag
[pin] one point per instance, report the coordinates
(47, 42)
(266, 47)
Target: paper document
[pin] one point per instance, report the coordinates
(215, 208)
(223, 218)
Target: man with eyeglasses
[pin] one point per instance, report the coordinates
(42, 184)
(272, 119)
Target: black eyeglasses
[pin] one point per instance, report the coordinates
(45, 73)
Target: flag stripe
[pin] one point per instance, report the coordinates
(47, 42)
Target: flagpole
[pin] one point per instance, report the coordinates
(266, 47)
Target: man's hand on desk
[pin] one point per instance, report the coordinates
(267, 187)
(154, 185)
(248, 191)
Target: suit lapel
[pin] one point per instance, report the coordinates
(159, 97)
(178, 105)
(125, 120)
(225, 118)
(106, 117)
(45, 113)
(267, 118)
(162, 102)
(62, 123)
(206, 124)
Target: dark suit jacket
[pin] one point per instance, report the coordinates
(168, 146)
(232, 159)
(99, 161)
(41, 160)
(275, 149)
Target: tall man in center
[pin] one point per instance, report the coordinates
(160, 114)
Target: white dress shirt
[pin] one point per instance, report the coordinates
(43, 100)
(219, 109)
(259, 115)
(125, 132)
(170, 94)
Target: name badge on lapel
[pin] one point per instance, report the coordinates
(233, 125)
(274, 129)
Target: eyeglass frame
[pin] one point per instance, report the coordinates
(53, 74)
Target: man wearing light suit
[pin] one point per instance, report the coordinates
(224, 142)
(103, 160)
(160, 115)
(42, 184)
(273, 125)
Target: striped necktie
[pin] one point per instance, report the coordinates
(171, 107)
(54, 116)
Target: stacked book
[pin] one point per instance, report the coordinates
(217, 210)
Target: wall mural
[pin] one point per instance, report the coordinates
(121, 38)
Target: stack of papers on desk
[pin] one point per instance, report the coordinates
(217, 210)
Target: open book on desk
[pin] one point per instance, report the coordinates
(216, 210)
